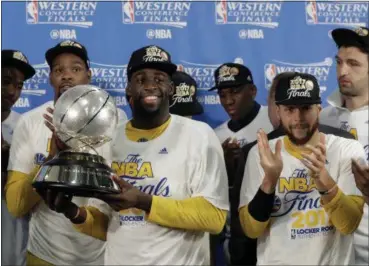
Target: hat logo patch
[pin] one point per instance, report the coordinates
(361, 32)
(227, 73)
(300, 87)
(20, 56)
(184, 94)
(71, 43)
(155, 54)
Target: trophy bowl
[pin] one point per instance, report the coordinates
(85, 118)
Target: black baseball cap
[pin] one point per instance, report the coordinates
(297, 89)
(231, 75)
(68, 46)
(16, 59)
(151, 56)
(183, 101)
(358, 37)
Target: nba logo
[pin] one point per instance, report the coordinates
(32, 12)
(311, 12)
(221, 12)
(293, 233)
(129, 12)
(270, 71)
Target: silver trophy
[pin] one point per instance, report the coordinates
(85, 118)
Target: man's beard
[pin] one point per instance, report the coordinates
(309, 134)
(350, 92)
(139, 110)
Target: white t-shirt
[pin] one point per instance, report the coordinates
(52, 237)
(248, 133)
(299, 230)
(356, 122)
(185, 161)
(14, 232)
(7, 126)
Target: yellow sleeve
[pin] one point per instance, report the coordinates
(20, 197)
(251, 227)
(96, 224)
(190, 214)
(345, 212)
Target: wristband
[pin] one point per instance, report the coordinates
(326, 192)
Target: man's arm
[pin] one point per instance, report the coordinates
(206, 209)
(20, 196)
(254, 207)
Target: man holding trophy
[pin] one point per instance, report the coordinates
(171, 174)
(52, 239)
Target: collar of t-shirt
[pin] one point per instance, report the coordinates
(335, 100)
(143, 135)
(237, 125)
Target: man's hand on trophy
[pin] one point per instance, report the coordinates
(56, 144)
(130, 197)
(59, 202)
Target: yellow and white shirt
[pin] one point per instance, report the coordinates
(300, 231)
(357, 123)
(52, 237)
(14, 231)
(184, 161)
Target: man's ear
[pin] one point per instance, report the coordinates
(128, 89)
(89, 75)
(171, 89)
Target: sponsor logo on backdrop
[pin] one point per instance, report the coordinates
(319, 69)
(158, 13)
(72, 13)
(260, 14)
(112, 78)
(63, 34)
(203, 74)
(335, 13)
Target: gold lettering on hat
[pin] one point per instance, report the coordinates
(20, 56)
(227, 73)
(184, 94)
(155, 54)
(361, 32)
(300, 87)
(70, 43)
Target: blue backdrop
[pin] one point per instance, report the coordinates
(268, 37)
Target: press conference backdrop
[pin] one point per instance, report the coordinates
(268, 37)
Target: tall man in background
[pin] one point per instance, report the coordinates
(348, 110)
(237, 91)
(15, 69)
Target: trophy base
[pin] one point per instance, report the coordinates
(77, 174)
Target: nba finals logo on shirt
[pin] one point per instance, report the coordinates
(184, 94)
(300, 87)
(320, 70)
(259, 14)
(298, 200)
(335, 13)
(73, 13)
(139, 173)
(112, 78)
